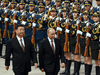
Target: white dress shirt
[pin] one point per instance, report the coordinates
(20, 41)
(51, 43)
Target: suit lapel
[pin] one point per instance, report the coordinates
(17, 43)
(25, 42)
(55, 45)
(49, 46)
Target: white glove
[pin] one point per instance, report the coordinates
(33, 15)
(73, 5)
(80, 14)
(87, 24)
(77, 22)
(9, 4)
(59, 29)
(79, 32)
(91, 8)
(17, 4)
(60, 19)
(49, 9)
(0, 18)
(4, 8)
(23, 13)
(83, 6)
(88, 35)
(45, 16)
(59, 10)
(26, 5)
(14, 12)
(1, 4)
(55, 36)
(50, 17)
(15, 21)
(23, 22)
(6, 19)
(57, 18)
(33, 24)
(67, 20)
(67, 31)
(6, 11)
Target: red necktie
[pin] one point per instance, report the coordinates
(52, 46)
(22, 45)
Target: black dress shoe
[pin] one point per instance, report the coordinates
(67, 73)
(3, 56)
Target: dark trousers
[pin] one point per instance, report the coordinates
(0, 49)
(51, 73)
(25, 72)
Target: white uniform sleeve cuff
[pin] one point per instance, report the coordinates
(33, 15)
(59, 29)
(15, 21)
(23, 22)
(33, 24)
(67, 31)
(88, 34)
(0, 18)
(79, 32)
(6, 19)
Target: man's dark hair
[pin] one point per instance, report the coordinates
(19, 25)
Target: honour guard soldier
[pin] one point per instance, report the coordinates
(21, 10)
(72, 41)
(94, 43)
(29, 19)
(83, 29)
(66, 4)
(41, 28)
(37, 4)
(4, 29)
(88, 7)
(52, 22)
(48, 5)
(58, 5)
(11, 18)
(62, 28)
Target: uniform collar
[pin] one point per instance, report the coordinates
(53, 18)
(86, 21)
(41, 13)
(96, 23)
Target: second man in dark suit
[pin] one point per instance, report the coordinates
(50, 51)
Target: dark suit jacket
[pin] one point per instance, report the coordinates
(47, 59)
(20, 59)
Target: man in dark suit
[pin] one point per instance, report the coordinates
(50, 51)
(22, 51)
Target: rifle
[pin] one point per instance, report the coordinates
(87, 43)
(99, 55)
(33, 36)
(58, 32)
(13, 35)
(78, 41)
(66, 44)
(4, 34)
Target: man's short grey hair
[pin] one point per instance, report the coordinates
(50, 29)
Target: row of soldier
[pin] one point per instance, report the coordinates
(76, 24)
